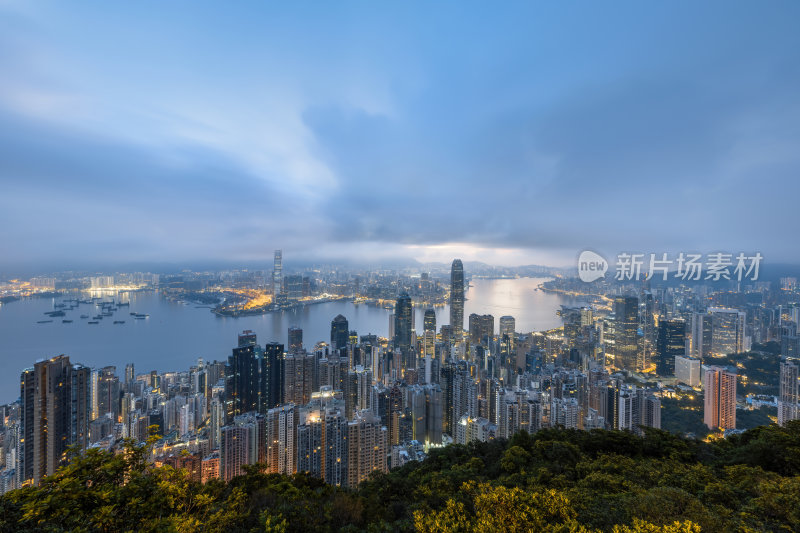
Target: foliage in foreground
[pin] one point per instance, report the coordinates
(555, 480)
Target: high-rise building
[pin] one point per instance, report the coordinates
(457, 299)
(281, 429)
(720, 331)
(671, 342)
(402, 329)
(295, 339)
(788, 394)
(277, 273)
(299, 376)
(626, 325)
(429, 321)
(54, 415)
(273, 373)
(687, 370)
(243, 384)
(481, 329)
(719, 398)
(367, 447)
(340, 332)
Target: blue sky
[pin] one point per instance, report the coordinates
(504, 132)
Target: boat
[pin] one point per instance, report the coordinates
(98, 317)
(119, 322)
(140, 317)
(66, 321)
(84, 316)
(43, 321)
(93, 322)
(126, 304)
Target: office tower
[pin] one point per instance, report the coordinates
(687, 370)
(457, 299)
(429, 352)
(671, 342)
(727, 331)
(720, 398)
(367, 447)
(788, 394)
(299, 377)
(277, 273)
(720, 331)
(402, 329)
(243, 384)
(130, 375)
(54, 415)
(340, 332)
(281, 450)
(273, 372)
(626, 324)
(507, 327)
(481, 329)
(429, 321)
(247, 338)
(701, 335)
(648, 338)
(295, 339)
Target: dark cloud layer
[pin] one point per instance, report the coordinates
(547, 131)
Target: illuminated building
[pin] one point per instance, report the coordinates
(720, 398)
(457, 299)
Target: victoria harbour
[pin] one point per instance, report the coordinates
(175, 333)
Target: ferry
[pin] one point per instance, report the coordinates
(43, 321)
(84, 316)
(93, 322)
(66, 321)
(119, 322)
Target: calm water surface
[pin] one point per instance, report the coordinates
(175, 335)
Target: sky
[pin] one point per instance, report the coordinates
(509, 133)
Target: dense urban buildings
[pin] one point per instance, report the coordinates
(361, 402)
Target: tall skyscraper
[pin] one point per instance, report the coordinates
(277, 273)
(295, 339)
(54, 415)
(788, 394)
(481, 329)
(402, 329)
(720, 398)
(626, 325)
(243, 384)
(273, 370)
(339, 332)
(671, 342)
(457, 299)
(720, 331)
(429, 322)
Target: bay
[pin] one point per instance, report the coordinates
(175, 335)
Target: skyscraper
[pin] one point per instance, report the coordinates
(720, 398)
(295, 339)
(429, 322)
(243, 383)
(671, 342)
(626, 325)
(402, 328)
(339, 332)
(273, 367)
(788, 394)
(457, 299)
(54, 415)
(277, 273)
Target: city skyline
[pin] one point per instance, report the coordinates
(513, 135)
